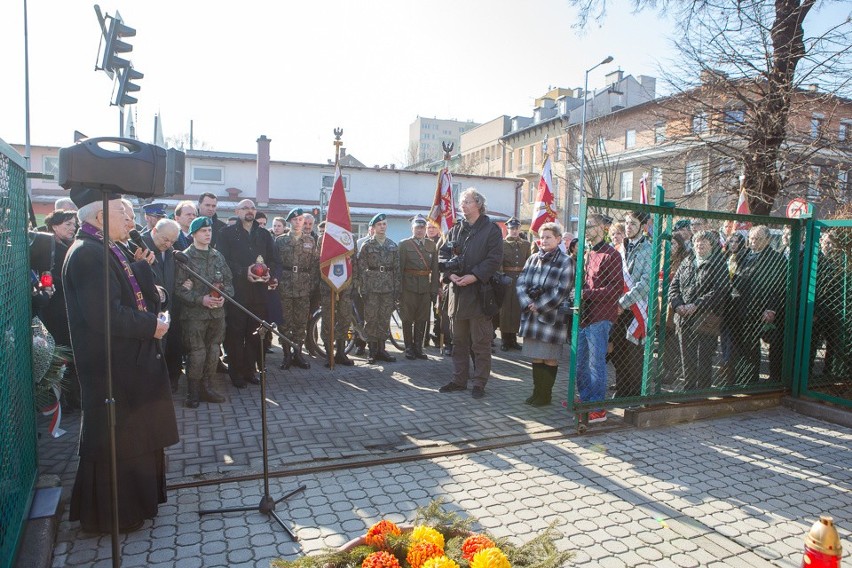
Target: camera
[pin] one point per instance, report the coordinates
(454, 262)
(535, 292)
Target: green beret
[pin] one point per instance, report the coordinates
(295, 212)
(377, 217)
(200, 222)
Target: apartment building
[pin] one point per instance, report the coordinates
(426, 136)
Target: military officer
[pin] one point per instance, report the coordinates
(297, 253)
(378, 281)
(418, 267)
(516, 251)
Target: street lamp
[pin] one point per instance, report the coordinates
(583, 127)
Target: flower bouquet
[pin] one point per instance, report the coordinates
(437, 539)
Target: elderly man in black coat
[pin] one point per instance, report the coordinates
(145, 418)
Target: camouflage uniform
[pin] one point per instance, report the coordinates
(202, 328)
(516, 251)
(418, 267)
(378, 281)
(299, 260)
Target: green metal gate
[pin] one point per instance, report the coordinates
(17, 418)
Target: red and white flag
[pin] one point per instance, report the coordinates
(742, 209)
(443, 212)
(543, 211)
(337, 246)
(638, 328)
(643, 189)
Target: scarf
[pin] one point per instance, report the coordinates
(93, 231)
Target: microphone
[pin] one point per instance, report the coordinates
(136, 239)
(181, 257)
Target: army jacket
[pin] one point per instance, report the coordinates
(207, 263)
(299, 260)
(516, 251)
(418, 266)
(378, 267)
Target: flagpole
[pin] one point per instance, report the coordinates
(338, 132)
(448, 150)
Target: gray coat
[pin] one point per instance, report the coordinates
(553, 273)
(481, 247)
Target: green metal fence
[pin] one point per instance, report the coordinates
(824, 354)
(704, 304)
(17, 418)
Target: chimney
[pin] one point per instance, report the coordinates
(262, 189)
(342, 152)
(614, 78)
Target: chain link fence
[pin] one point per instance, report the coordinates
(17, 420)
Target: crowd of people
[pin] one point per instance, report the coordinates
(727, 295)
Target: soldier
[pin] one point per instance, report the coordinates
(297, 253)
(418, 267)
(202, 316)
(516, 251)
(378, 279)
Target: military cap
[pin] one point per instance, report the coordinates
(82, 196)
(155, 209)
(682, 224)
(295, 212)
(418, 220)
(376, 218)
(512, 222)
(200, 222)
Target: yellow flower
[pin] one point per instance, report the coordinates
(490, 558)
(422, 551)
(440, 562)
(427, 534)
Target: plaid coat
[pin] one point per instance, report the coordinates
(554, 273)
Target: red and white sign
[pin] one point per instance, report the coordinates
(797, 208)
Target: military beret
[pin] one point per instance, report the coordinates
(295, 212)
(512, 222)
(82, 196)
(418, 220)
(200, 222)
(376, 218)
(155, 209)
(682, 224)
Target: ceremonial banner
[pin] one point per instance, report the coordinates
(443, 212)
(543, 211)
(337, 246)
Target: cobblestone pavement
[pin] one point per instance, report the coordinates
(739, 491)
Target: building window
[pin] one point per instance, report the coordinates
(627, 186)
(328, 182)
(208, 174)
(532, 156)
(813, 182)
(520, 158)
(558, 153)
(816, 125)
(577, 191)
(532, 188)
(843, 186)
(656, 179)
(693, 178)
(699, 123)
(580, 151)
(555, 190)
(601, 146)
(630, 139)
(659, 133)
(843, 131)
(511, 160)
(50, 166)
(734, 118)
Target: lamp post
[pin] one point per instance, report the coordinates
(583, 126)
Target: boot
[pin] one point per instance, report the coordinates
(210, 395)
(536, 374)
(419, 335)
(360, 347)
(340, 354)
(406, 337)
(193, 393)
(382, 354)
(514, 344)
(373, 347)
(548, 378)
(299, 359)
(288, 357)
(506, 340)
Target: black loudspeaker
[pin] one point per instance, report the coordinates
(175, 168)
(121, 165)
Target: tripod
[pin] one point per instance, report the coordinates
(267, 503)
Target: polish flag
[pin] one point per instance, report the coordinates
(443, 212)
(638, 328)
(543, 211)
(337, 246)
(742, 209)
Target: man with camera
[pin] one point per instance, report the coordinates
(471, 255)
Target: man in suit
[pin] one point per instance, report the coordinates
(185, 213)
(159, 241)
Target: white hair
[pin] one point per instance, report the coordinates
(88, 213)
(65, 203)
(165, 223)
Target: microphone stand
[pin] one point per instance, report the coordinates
(267, 503)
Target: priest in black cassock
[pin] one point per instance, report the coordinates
(145, 418)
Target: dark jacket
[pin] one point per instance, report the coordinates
(145, 416)
(53, 315)
(163, 267)
(705, 285)
(481, 252)
(759, 284)
(218, 226)
(241, 249)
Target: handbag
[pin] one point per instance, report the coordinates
(490, 305)
(710, 324)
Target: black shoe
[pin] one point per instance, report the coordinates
(504, 347)
(385, 356)
(253, 379)
(238, 384)
(515, 345)
(477, 392)
(409, 354)
(448, 350)
(452, 387)
(420, 355)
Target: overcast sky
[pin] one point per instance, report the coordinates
(296, 70)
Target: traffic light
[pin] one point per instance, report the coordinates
(125, 85)
(117, 30)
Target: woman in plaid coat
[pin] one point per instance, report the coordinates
(543, 293)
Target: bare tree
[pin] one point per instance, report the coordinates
(601, 168)
(181, 142)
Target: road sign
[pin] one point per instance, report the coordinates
(798, 208)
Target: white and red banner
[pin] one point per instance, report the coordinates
(742, 209)
(643, 189)
(443, 212)
(543, 211)
(638, 328)
(337, 246)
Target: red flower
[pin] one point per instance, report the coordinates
(380, 559)
(474, 544)
(376, 534)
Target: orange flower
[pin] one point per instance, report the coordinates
(380, 559)
(422, 551)
(473, 544)
(490, 558)
(376, 535)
